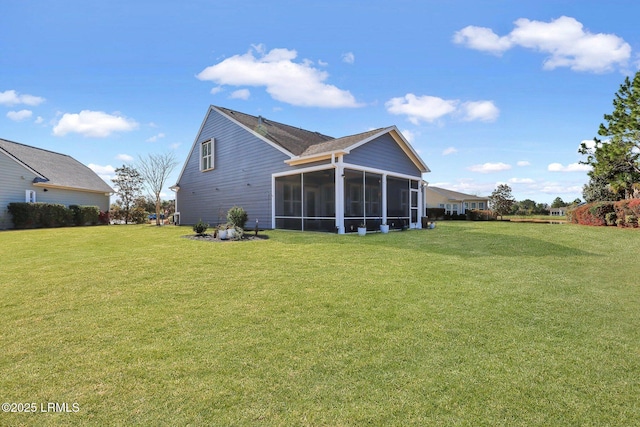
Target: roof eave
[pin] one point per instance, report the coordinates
(301, 160)
(66, 187)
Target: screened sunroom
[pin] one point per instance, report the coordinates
(339, 199)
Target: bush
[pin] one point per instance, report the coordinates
(37, 215)
(631, 220)
(237, 216)
(611, 218)
(435, 213)
(480, 215)
(200, 228)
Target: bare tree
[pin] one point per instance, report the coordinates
(155, 169)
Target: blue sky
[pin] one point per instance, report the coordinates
(487, 92)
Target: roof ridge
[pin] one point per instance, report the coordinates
(274, 122)
(35, 148)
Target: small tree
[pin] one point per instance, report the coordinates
(558, 203)
(128, 184)
(155, 169)
(501, 200)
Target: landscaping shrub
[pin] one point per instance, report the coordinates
(103, 218)
(631, 220)
(200, 228)
(237, 216)
(480, 215)
(45, 215)
(611, 218)
(435, 213)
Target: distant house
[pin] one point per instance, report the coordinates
(30, 174)
(561, 211)
(453, 202)
(290, 178)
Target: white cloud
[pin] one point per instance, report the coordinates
(348, 58)
(490, 167)
(481, 38)
(431, 108)
(216, 89)
(95, 124)
(523, 163)
(124, 157)
(18, 116)
(154, 138)
(105, 172)
(39, 120)
(521, 181)
(420, 108)
(573, 167)
(295, 83)
(243, 94)
(564, 40)
(450, 150)
(11, 97)
(485, 111)
(409, 135)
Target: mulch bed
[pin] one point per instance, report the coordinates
(209, 238)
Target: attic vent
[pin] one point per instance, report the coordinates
(261, 129)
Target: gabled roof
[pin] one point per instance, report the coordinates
(305, 146)
(54, 169)
(454, 195)
(294, 140)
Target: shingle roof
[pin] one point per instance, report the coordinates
(55, 169)
(294, 140)
(301, 143)
(454, 195)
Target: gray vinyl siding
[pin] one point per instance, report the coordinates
(72, 197)
(383, 153)
(243, 165)
(15, 180)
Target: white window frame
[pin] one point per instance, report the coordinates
(206, 160)
(30, 196)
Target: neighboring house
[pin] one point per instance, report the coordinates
(30, 174)
(453, 202)
(561, 211)
(290, 178)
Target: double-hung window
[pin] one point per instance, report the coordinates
(206, 155)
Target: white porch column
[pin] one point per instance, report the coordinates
(339, 178)
(384, 198)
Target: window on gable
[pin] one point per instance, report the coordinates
(206, 155)
(30, 196)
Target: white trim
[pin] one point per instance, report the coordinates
(304, 170)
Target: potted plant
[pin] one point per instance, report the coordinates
(222, 232)
(384, 228)
(231, 231)
(362, 229)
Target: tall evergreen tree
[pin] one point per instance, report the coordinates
(615, 158)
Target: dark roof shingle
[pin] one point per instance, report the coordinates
(57, 169)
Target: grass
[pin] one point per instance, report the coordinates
(468, 324)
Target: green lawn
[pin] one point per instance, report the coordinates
(472, 323)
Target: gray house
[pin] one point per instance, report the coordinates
(290, 178)
(30, 174)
